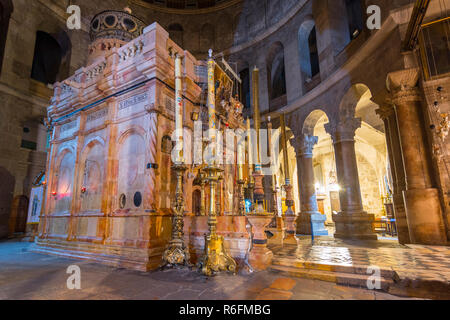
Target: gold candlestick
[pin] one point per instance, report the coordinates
(176, 253)
(215, 258)
(287, 187)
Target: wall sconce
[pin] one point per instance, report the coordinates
(54, 193)
(194, 116)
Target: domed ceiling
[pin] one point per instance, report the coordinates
(188, 4)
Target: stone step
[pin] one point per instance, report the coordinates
(353, 269)
(340, 278)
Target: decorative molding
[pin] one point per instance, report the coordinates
(385, 111)
(343, 130)
(212, 9)
(304, 144)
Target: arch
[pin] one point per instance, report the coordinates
(19, 213)
(308, 52)
(196, 201)
(91, 142)
(176, 33)
(244, 74)
(311, 121)
(131, 169)
(47, 59)
(207, 37)
(131, 129)
(276, 76)
(6, 9)
(63, 178)
(350, 100)
(91, 175)
(7, 182)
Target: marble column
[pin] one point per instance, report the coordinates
(352, 222)
(387, 113)
(422, 203)
(310, 220)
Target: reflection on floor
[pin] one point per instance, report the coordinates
(347, 262)
(27, 275)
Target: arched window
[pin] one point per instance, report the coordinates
(245, 87)
(354, 17)
(308, 52)
(276, 75)
(47, 58)
(176, 34)
(6, 8)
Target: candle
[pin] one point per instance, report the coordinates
(212, 103)
(240, 159)
(178, 108)
(256, 115)
(249, 148)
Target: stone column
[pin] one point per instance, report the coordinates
(309, 217)
(352, 222)
(422, 204)
(387, 114)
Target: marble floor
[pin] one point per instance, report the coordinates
(27, 275)
(409, 261)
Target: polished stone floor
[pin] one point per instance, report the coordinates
(27, 275)
(430, 263)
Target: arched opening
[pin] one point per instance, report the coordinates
(176, 34)
(131, 172)
(276, 76)
(371, 158)
(196, 202)
(354, 17)
(282, 175)
(62, 187)
(308, 54)
(47, 59)
(244, 74)
(18, 219)
(7, 182)
(6, 8)
(91, 179)
(324, 166)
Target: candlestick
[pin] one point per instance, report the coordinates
(178, 108)
(215, 258)
(176, 253)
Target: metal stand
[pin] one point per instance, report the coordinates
(176, 253)
(215, 258)
(241, 184)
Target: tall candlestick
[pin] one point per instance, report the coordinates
(287, 174)
(215, 258)
(250, 149)
(177, 253)
(256, 116)
(212, 104)
(240, 159)
(178, 107)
